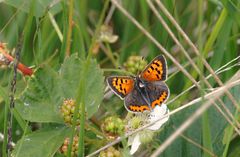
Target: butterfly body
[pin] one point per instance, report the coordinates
(145, 91)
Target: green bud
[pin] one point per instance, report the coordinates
(110, 152)
(67, 109)
(135, 64)
(64, 147)
(72, 109)
(113, 126)
(146, 136)
(135, 122)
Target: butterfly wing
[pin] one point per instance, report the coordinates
(134, 102)
(156, 70)
(158, 92)
(121, 85)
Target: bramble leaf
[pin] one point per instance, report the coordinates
(41, 143)
(47, 89)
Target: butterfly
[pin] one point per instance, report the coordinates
(144, 91)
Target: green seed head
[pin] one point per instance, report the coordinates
(113, 126)
(135, 64)
(146, 136)
(67, 110)
(64, 147)
(110, 152)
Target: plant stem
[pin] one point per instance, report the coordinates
(230, 134)
(70, 23)
(110, 55)
(6, 110)
(101, 20)
(215, 31)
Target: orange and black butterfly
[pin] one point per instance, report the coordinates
(145, 91)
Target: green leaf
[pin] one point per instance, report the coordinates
(40, 101)
(219, 56)
(217, 123)
(41, 6)
(42, 143)
(73, 69)
(234, 150)
(180, 146)
(47, 89)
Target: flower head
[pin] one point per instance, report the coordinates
(65, 145)
(146, 135)
(134, 64)
(106, 34)
(67, 110)
(113, 127)
(110, 152)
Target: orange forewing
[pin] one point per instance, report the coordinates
(156, 70)
(121, 85)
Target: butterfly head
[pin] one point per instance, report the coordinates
(139, 82)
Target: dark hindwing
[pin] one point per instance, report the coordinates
(134, 102)
(158, 92)
(156, 70)
(121, 85)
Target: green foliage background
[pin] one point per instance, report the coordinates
(212, 25)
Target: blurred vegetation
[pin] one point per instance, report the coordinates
(48, 37)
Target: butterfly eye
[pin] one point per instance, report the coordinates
(141, 85)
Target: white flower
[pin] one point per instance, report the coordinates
(106, 34)
(135, 142)
(157, 113)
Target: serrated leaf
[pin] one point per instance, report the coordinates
(72, 71)
(47, 89)
(42, 143)
(40, 101)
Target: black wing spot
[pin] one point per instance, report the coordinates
(157, 76)
(157, 64)
(152, 67)
(121, 87)
(121, 80)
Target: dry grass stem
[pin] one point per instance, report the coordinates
(222, 69)
(211, 99)
(134, 21)
(169, 16)
(198, 145)
(109, 15)
(184, 52)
